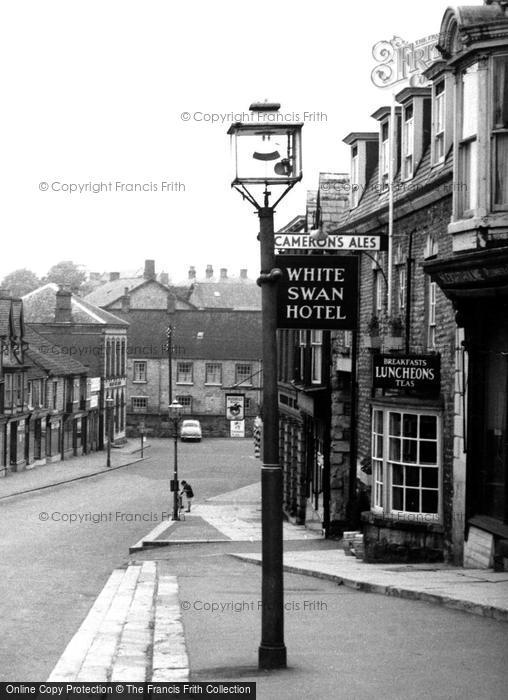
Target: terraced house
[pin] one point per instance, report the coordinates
(435, 453)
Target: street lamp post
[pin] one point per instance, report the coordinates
(269, 153)
(175, 412)
(109, 408)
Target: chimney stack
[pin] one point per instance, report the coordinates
(171, 304)
(149, 273)
(209, 272)
(243, 273)
(113, 276)
(126, 301)
(63, 308)
(223, 273)
(164, 278)
(192, 272)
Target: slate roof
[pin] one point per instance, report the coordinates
(39, 307)
(240, 295)
(225, 335)
(42, 357)
(426, 179)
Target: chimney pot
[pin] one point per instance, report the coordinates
(149, 273)
(243, 273)
(209, 272)
(192, 272)
(223, 273)
(164, 278)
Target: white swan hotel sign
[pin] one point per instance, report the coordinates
(318, 291)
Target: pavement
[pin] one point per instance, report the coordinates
(35, 478)
(122, 638)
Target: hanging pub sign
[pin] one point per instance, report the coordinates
(419, 373)
(235, 407)
(318, 291)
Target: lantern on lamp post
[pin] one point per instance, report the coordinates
(268, 153)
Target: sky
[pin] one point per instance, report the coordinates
(105, 95)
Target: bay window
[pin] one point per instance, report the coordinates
(500, 132)
(406, 462)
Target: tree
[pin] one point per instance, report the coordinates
(21, 281)
(68, 274)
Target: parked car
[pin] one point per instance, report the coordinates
(190, 430)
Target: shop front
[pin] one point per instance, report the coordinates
(477, 283)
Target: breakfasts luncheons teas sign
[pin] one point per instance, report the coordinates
(318, 292)
(416, 372)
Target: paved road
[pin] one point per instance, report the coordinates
(51, 571)
(341, 643)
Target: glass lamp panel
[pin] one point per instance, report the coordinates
(267, 155)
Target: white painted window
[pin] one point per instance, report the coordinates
(184, 373)
(468, 145)
(401, 288)
(186, 403)
(406, 462)
(243, 374)
(139, 371)
(439, 121)
(213, 373)
(408, 143)
(384, 159)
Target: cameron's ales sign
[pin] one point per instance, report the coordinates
(317, 291)
(417, 372)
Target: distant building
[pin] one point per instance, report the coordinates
(95, 337)
(215, 345)
(45, 396)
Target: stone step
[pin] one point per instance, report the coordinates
(133, 632)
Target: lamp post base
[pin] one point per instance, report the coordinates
(272, 657)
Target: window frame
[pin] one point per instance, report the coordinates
(136, 363)
(316, 356)
(243, 381)
(216, 365)
(468, 155)
(185, 401)
(139, 398)
(384, 156)
(179, 372)
(431, 298)
(438, 119)
(408, 143)
(383, 464)
(499, 132)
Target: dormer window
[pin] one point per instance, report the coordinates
(439, 122)
(354, 177)
(384, 160)
(408, 143)
(500, 132)
(468, 144)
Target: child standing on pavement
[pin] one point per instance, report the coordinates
(188, 492)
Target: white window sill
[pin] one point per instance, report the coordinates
(140, 381)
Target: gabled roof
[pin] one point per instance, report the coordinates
(39, 307)
(210, 335)
(110, 292)
(45, 357)
(240, 295)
